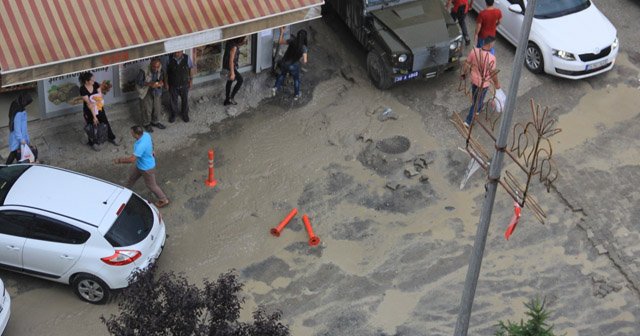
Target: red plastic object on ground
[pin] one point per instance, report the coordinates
(313, 239)
(211, 180)
(276, 230)
(514, 220)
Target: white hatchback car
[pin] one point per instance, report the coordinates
(75, 229)
(569, 38)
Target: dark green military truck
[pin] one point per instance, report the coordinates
(405, 39)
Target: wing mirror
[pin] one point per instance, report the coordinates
(516, 9)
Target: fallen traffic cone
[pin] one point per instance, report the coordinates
(313, 239)
(514, 220)
(276, 230)
(211, 180)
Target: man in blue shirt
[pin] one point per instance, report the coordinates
(145, 165)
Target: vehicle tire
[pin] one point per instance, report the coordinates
(91, 289)
(379, 71)
(533, 59)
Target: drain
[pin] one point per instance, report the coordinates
(394, 145)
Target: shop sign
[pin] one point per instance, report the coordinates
(193, 40)
(63, 92)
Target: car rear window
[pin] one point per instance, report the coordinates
(132, 225)
(8, 176)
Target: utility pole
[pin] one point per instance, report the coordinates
(473, 272)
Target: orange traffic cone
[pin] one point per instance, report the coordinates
(211, 180)
(276, 230)
(313, 239)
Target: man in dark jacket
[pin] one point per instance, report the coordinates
(179, 77)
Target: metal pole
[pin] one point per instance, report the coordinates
(475, 261)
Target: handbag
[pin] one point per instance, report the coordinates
(98, 134)
(26, 154)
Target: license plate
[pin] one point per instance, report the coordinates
(405, 77)
(596, 65)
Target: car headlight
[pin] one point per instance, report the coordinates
(565, 55)
(456, 43)
(614, 44)
(402, 58)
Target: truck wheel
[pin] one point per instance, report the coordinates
(379, 71)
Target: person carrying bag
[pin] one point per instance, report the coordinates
(19, 141)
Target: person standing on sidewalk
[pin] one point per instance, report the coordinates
(89, 89)
(487, 23)
(290, 62)
(145, 165)
(482, 65)
(18, 132)
(459, 13)
(230, 64)
(149, 84)
(179, 79)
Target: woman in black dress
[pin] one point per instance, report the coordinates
(91, 114)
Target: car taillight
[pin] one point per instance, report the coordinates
(122, 257)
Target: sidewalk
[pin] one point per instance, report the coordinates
(61, 141)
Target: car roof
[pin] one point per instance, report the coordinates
(64, 192)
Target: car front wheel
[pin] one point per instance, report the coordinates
(533, 59)
(91, 289)
(378, 70)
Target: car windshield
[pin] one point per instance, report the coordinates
(8, 176)
(548, 9)
(133, 225)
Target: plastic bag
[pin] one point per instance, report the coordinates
(26, 155)
(500, 100)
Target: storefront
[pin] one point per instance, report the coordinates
(50, 51)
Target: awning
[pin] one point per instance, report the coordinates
(42, 39)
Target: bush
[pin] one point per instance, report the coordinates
(535, 326)
(168, 305)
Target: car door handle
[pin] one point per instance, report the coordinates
(13, 248)
(66, 257)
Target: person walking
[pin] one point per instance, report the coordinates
(149, 84)
(230, 64)
(93, 107)
(145, 165)
(179, 79)
(487, 23)
(481, 63)
(459, 13)
(18, 132)
(290, 62)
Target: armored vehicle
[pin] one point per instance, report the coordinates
(405, 39)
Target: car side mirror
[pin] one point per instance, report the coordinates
(516, 9)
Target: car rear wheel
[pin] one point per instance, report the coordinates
(379, 71)
(91, 289)
(533, 59)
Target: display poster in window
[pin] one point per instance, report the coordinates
(129, 73)
(63, 92)
(208, 59)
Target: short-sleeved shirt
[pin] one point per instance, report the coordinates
(488, 19)
(482, 63)
(143, 151)
(458, 3)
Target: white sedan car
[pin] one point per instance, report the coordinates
(569, 38)
(5, 307)
(72, 228)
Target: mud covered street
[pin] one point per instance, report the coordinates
(382, 192)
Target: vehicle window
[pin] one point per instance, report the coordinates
(8, 176)
(58, 232)
(547, 9)
(15, 223)
(133, 225)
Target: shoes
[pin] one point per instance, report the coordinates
(296, 97)
(467, 42)
(233, 102)
(172, 119)
(148, 128)
(273, 92)
(114, 142)
(185, 118)
(162, 203)
(95, 147)
(466, 124)
(227, 102)
(158, 125)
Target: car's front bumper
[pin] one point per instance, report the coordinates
(578, 69)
